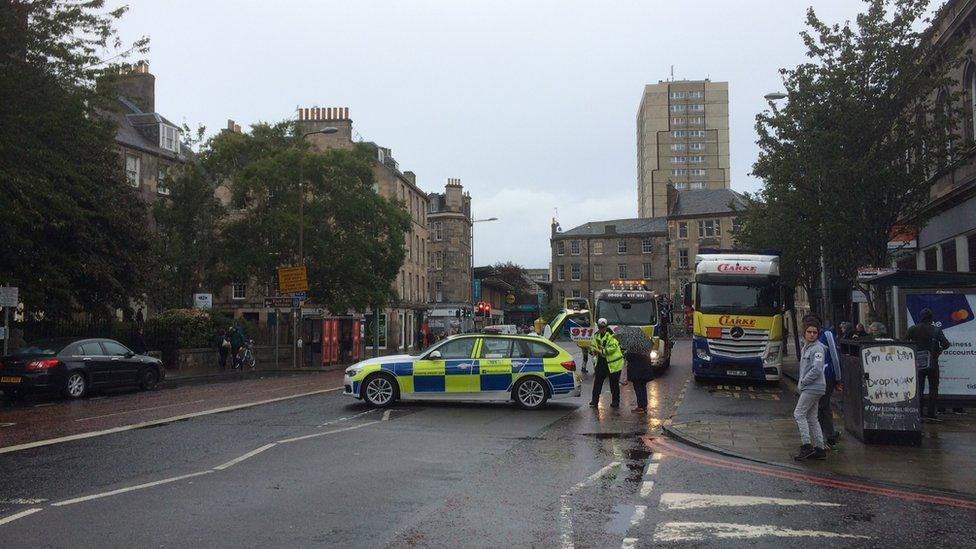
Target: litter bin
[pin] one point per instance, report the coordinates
(881, 401)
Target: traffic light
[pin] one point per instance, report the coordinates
(487, 311)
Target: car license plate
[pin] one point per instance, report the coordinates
(740, 373)
(9, 379)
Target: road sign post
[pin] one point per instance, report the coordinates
(8, 299)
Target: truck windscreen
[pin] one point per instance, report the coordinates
(627, 313)
(760, 298)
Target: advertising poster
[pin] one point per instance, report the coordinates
(954, 314)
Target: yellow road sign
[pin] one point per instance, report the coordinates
(292, 279)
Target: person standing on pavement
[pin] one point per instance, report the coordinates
(929, 337)
(812, 386)
(221, 342)
(825, 415)
(637, 354)
(609, 362)
(859, 332)
(236, 342)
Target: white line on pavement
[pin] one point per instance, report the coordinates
(565, 523)
(22, 501)
(650, 470)
(593, 477)
(646, 487)
(130, 489)
(678, 500)
(656, 456)
(332, 432)
(341, 419)
(629, 543)
(139, 410)
(21, 514)
(250, 454)
(638, 515)
(386, 415)
(697, 531)
(91, 434)
(7, 424)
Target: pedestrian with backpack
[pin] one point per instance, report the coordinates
(929, 337)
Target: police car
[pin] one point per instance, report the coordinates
(482, 367)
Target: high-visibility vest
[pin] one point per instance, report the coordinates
(610, 347)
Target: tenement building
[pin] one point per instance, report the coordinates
(587, 257)
(449, 245)
(682, 140)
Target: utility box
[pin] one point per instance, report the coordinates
(881, 400)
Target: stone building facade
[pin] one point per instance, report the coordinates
(698, 219)
(449, 246)
(587, 257)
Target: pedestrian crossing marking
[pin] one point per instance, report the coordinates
(698, 531)
(678, 500)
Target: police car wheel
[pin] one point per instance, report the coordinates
(530, 393)
(379, 390)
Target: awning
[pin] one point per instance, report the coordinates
(922, 279)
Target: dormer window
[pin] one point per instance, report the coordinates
(169, 138)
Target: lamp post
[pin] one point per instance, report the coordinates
(771, 98)
(301, 234)
(471, 285)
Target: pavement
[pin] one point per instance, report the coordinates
(945, 460)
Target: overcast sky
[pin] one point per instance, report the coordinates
(531, 104)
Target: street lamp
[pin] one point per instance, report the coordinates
(301, 232)
(471, 285)
(771, 97)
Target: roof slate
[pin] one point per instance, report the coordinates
(706, 201)
(637, 225)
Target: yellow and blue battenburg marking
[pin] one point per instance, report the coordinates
(474, 375)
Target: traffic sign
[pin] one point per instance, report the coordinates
(277, 302)
(8, 296)
(300, 295)
(292, 279)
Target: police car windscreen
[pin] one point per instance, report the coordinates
(756, 299)
(627, 313)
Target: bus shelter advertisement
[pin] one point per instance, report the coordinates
(953, 312)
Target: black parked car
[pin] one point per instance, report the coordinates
(72, 366)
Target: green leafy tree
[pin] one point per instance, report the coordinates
(849, 158)
(353, 237)
(74, 236)
(186, 246)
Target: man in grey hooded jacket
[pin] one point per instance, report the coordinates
(812, 385)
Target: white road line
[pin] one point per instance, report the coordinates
(22, 501)
(341, 419)
(332, 432)
(7, 424)
(638, 515)
(139, 410)
(678, 500)
(651, 470)
(646, 487)
(44, 405)
(629, 543)
(22, 514)
(565, 523)
(250, 454)
(130, 489)
(697, 531)
(593, 477)
(386, 415)
(657, 456)
(91, 434)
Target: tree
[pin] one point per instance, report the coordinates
(513, 274)
(74, 237)
(353, 237)
(186, 246)
(849, 159)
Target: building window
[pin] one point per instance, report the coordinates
(679, 172)
(696, 185)
(621, 270)
(709, 228)
(949, 256)
(162, 182)
(438, 231)
(560, 272)
(696, 95)
(132, 170)
(646, 271)
(679, 95)
(687, 133)
(647, 246)
(577, 293)
(696, 171)
(597, 247)
(683, 259)
(696, 120)
(695, 159)
(562, 296)
(621, 246)
(560, 248)
(682, 229)
(575, 271)
(679, 121)
(438, 291)
(371, 330)
(679, 159)
(679, 108)
(698, 107)
(696, 146)
(930, 257)
(598, 272)
(169, 138)
(574, 247)
(677, 146)
(238, 290)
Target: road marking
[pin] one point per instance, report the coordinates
(139, 410)
(113, 430)
(44, 405)
(341, 419)
(386, 415)
(697, 531)
(22, 514)
(593, 477)
(250, 454)
(629, 543)
(651, 469)
(565, 522)
(646, 487)
(22, 501)
(677, 402)
(638, 515)
(674, 500)
(7, 424)
(130, 489)
(332, 432)
(656, 456)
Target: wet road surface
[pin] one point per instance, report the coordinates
(323, 469)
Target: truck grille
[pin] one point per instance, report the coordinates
(751, 344)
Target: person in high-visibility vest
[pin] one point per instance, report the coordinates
(609, 363)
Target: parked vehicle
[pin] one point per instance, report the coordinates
(73, 366)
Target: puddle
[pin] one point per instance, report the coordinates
(619, 522)
(632, 434)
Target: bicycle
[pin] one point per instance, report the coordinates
(245, 356)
